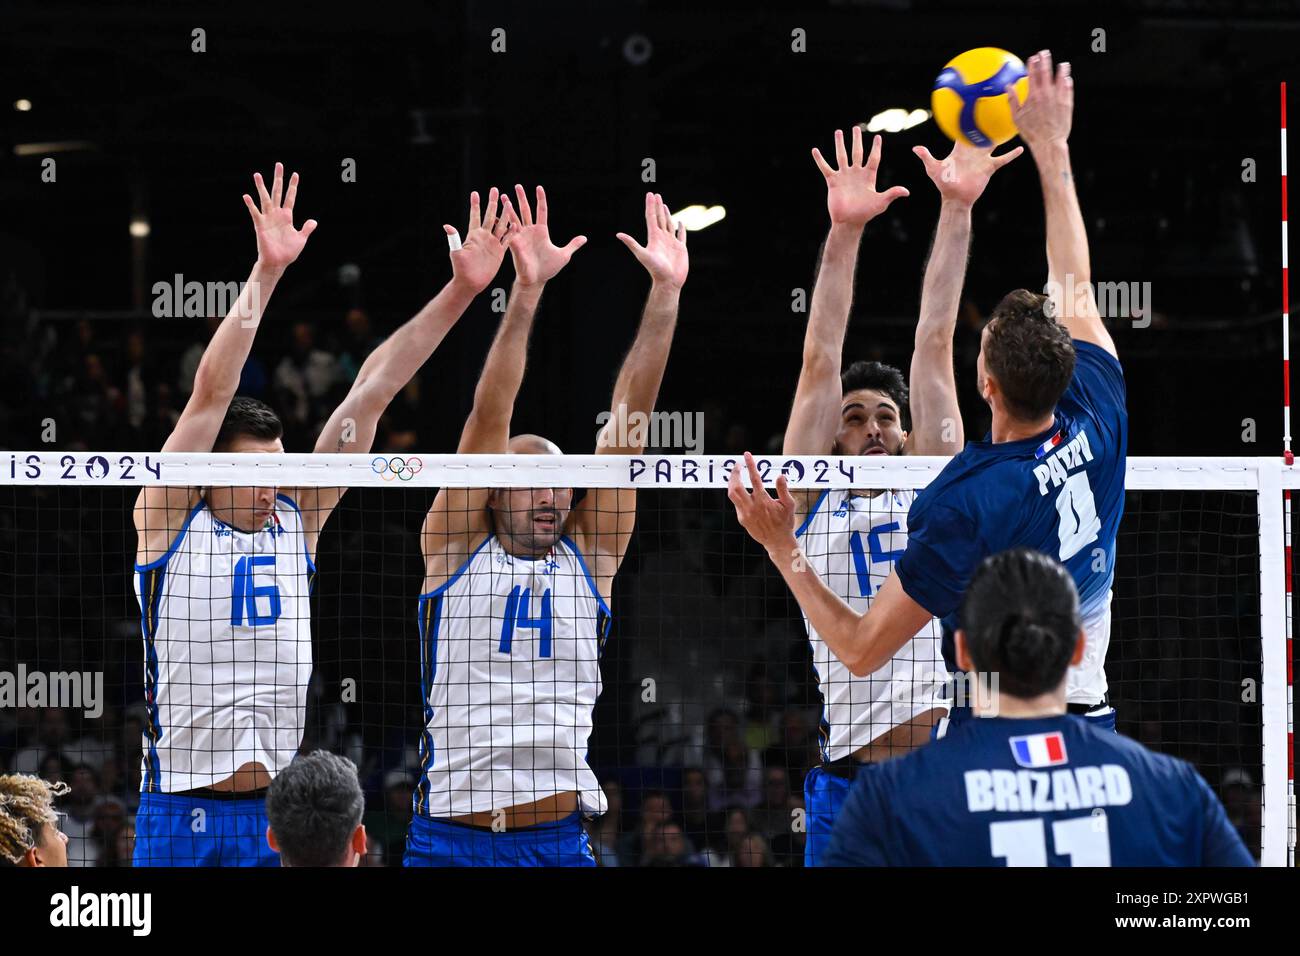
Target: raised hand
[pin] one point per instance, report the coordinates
(1048, 110)
(962, 176)
(769, 521)
(851, 196)
(475, 263)
(278, 242)
(536, 258)
(664, 253)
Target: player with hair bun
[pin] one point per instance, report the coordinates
(1026, 783)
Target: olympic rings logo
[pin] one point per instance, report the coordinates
(403, 469)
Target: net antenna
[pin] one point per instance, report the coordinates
(1289, 459)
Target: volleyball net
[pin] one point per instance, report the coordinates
(678, 695)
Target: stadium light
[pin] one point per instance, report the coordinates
(896, 120)
(697, 217)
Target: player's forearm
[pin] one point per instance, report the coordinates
(217, 377)
(388, 369)
(637, 387)
(815, 413)
(833, 620)
(945, 275)
(503, 371)
(1067, 238)
(936, 417)
(832, 298)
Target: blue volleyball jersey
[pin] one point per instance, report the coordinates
(1044, 791)
(1061, 493)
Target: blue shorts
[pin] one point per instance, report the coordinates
(176, 830)
(823, 795)
(432, 842)
(1104, 719)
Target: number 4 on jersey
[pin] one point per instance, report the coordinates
(1079, 524)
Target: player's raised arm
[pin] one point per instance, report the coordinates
(605, 518)
(1044, 121)
(960, 179)
(852, 201)
(388, 369)
(458, 515)
(159, 510)
(863, 642)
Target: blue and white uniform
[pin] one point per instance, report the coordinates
(510, 672)
(1045, 791)
(1061, 493)
(851, 543)
(226, 620)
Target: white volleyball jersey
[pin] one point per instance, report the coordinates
(227, 638)
(852, 543)
(510, 671)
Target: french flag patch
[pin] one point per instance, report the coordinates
(1039, 750)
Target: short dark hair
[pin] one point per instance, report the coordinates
(250, 418)
(879, 377)
(1021, 618)
(314, 805)
(1029, 353)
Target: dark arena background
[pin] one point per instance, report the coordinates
(709, 712)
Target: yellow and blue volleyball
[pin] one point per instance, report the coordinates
(969, 100)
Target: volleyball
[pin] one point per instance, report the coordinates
(969, 99)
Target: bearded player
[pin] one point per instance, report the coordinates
(852, 537)
(223, 574)
(516, 602)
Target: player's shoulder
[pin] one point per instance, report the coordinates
(1091, 353)
(975, 480)
(1154, 767)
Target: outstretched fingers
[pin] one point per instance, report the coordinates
(277, 185)
(263, 197)
(873, 160)
(1000, 161)
(504, 221)
(665, 217)
(543, 212)
(525, 214)
(841, 156)
(755, 479)
(474, 218)
(490, 213)
(824, 166)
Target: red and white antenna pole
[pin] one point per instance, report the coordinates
(1287, 456)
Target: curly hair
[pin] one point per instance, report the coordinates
(26, 805)
(1029, 353)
